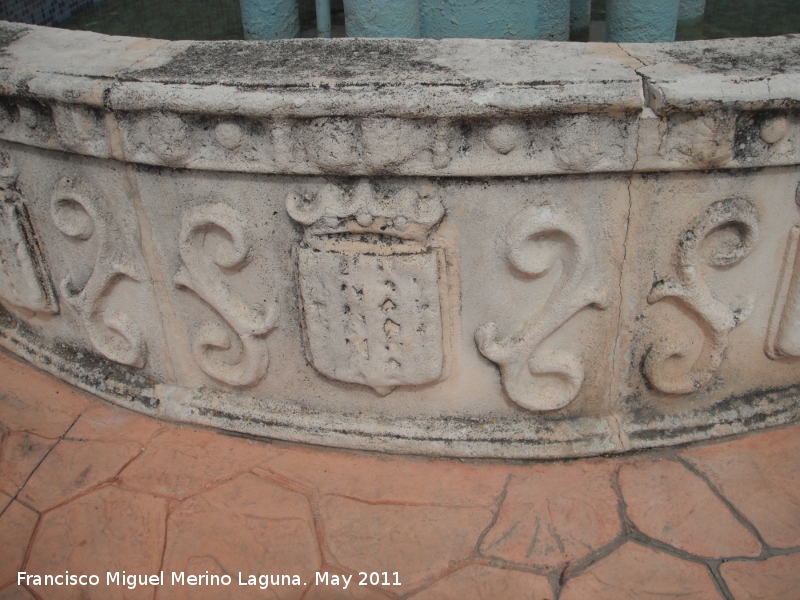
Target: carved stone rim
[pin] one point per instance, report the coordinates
(737, 98)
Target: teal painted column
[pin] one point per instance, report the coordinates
(270, 19)
(580, 17)
(382, 18)
(323, 18)
(641, 20)
(552, 20)
(691, 9)
(495, 19)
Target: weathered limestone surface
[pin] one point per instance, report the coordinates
(456, 247)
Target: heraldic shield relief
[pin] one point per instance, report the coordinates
(371, 285)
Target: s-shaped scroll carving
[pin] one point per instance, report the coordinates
(80, 213)
(690, 289)
(201, 273)
(536, 240)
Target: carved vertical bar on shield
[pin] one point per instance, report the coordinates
(690, 289)
(24, 277)
(202, 273)
(783, 339)
(81, 213)
(536, 240)
(371, 285)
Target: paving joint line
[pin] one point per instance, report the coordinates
(498, 501)
(766, 549)
(36, 468)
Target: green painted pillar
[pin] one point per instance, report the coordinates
(580, 17)
(323, 18)
(691, 9)
(552, 20)
(641, 20)
(495, 19)
(382, 18)
(270, 19)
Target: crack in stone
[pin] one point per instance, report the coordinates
(284, 482)
(326, 555)
(617, 339)
(639, 60)
(620, 436)
(403, 502)
(447, 572)
(164, 547)
(29, 549)
(151, 264)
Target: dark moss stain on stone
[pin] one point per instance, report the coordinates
(295, 61)
(9, 112)
(773, 56)
(9, 35)
(747, 142)
(775, 407)
(638, 409)
(654, 435)
(234, 419)
(126, 383)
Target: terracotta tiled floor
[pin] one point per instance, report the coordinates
(91, 488)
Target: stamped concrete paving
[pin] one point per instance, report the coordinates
(89, 488)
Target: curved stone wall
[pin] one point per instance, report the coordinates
(459, 247)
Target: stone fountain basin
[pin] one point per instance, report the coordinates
(462, 248)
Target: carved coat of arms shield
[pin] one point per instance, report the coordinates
(24, 277)
(371, 286)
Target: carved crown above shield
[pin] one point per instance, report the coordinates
(372, 285)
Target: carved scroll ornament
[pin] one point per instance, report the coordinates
(536, 240)
(690, 289)
(80, 212)
(202, 273)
